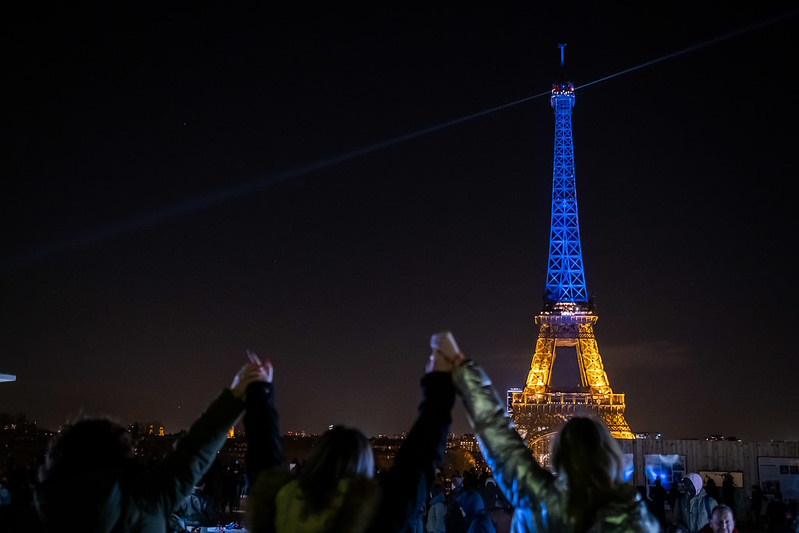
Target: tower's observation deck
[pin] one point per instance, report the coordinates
(562, 89)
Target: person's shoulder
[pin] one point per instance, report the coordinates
(268, 483)
(482, 522)
(261, 500)
(360, 505)
(628, 513)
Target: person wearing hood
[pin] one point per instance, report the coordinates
(496, 506)
(587, 492)
(197, 510)
(491, 495)
(91, 482)
(693, 508)
(474, 512)
(337, 490)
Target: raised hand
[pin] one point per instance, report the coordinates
(266, 365)
(250, 373)
(445, 353)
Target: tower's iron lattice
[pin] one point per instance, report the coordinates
(568, 316)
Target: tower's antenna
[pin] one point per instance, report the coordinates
(562, 53)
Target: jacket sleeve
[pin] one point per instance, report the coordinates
(193, 454)
(264, 449)
(521, 479)
(406, 486)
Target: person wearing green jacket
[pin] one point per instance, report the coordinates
(587, 493)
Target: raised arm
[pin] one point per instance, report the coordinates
(264, 449)
(407, 484)
(182, 469)
(522, 480)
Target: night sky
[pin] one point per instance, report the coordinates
(330, 186)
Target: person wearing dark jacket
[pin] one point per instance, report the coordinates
(197, 509)
(474, 512)
(658, 495)
(337, 490)
(90, 481)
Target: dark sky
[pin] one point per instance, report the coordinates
(181, 184)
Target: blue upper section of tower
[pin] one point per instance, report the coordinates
(565, 275)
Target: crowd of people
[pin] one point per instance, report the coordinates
(90, 480)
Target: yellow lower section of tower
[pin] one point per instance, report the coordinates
(538, 410)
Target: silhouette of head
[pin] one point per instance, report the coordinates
(88, 445)
(342, 452)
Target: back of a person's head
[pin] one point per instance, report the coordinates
(587, 454)
(77, 484)
(340, 453)
(89, 445)
(591, 460)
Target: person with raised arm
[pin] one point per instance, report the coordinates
(90, 480)
(586, 493)
(337, 489)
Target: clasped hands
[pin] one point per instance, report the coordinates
(252, 371)
(257, 370)
(441, 362)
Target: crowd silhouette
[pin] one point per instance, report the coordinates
(88, 479)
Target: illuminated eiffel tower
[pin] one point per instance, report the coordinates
(568, 316)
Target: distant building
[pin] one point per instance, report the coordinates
(155, 429)
(773, 465)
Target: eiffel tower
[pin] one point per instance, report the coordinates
(568, 316)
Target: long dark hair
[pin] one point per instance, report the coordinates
(589, 457)
(340, 453)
